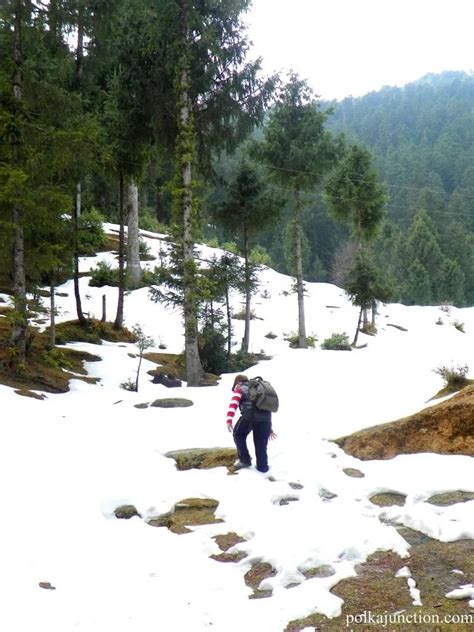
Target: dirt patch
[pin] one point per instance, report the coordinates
(187, 512)
(446, 428)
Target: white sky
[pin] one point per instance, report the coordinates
(351, 47)
(69, 460)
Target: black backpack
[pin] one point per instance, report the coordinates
(263, 395)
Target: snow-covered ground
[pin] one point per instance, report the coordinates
(68, 461)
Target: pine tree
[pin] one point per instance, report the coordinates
(298, 152)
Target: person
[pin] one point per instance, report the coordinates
(252, 419)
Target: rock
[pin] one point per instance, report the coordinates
(125, 512)
(172, 402)
(446, 428)
(46, 586)
(353, 472)
(257, 573)
(203, 458)
(450, 498)
(187, 512)
(166, 380)
(142, 406)
(388, 499)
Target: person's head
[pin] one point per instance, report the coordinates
(239, 379)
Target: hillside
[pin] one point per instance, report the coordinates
(256, 547)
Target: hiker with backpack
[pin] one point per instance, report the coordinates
(256, 400)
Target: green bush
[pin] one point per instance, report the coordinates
(147, 221)
(104, 274)
(91, 237)
(337, 342)
(294, 340)
(454, 377)
(212, 350)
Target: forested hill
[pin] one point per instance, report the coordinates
(422, 135)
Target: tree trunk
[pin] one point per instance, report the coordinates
(194, 370)
(229, 322)
(75, 227)
(118, 324)
(356, 337)
(78, 197)
(134, 271)
(246, 339)
(20, 322)
(52, 315)
(374, 314)
(104, 308)
(302, 342)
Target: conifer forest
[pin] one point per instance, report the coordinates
(155, 115)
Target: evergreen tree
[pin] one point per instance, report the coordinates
(298, 152)
(247, 207)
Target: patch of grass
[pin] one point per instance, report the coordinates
(455, 378)
(45, 369)
(93, 331)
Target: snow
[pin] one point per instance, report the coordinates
(68, 461)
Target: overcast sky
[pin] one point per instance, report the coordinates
(350, 47)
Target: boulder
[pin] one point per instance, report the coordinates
(446, 428)
(203, 458)
(172, 402)
(166, 380)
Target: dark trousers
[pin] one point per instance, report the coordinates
(261, 433)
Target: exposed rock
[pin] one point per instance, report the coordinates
(203, 458)
(325, 494)
(27, 393)
(46, 586)
(125, 512)
(166, 380)
(296, 485)
(187, 512)
(353, 472)
(446, 428)
(388, 499)
(172, 402)
(225, 542)
(253, 578)
(450, 498)
(142, 406)
(319, 571)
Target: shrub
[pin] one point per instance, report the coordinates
(454, 377)
(103, 274)
(91, 236)
(212, 350)
(147, 221)
(294, 340)
(337, 342)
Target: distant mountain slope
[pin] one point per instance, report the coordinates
(422, 135)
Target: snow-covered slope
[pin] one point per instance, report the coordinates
(68, 461)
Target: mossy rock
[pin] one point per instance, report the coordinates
(253, 578)
(125, 512)
(187, 512)
(388, 499)
(353, 472)
(203, 458)
(450, 498)
(172, 402)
